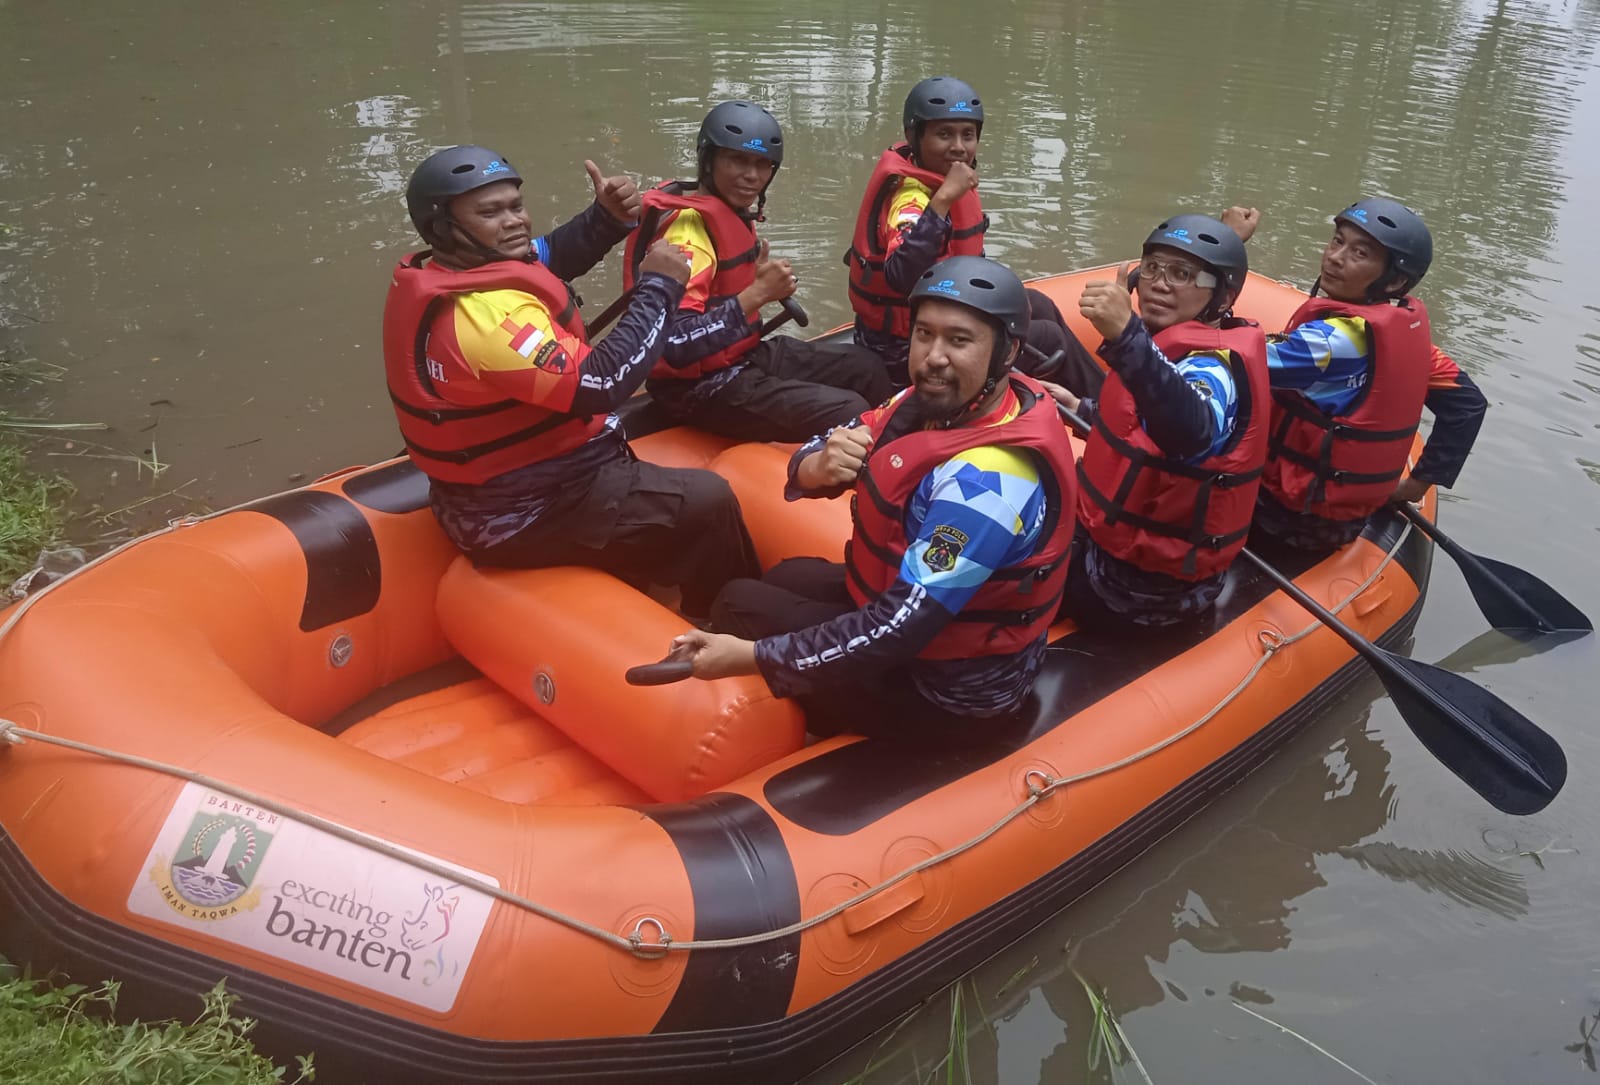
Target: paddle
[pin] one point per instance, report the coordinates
(607, 315)
(1498, 752)
(1513, 599)
(672, 667)
(791, 311)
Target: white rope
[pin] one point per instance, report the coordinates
(13, 733)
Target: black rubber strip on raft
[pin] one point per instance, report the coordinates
(743, 883)
(398, 488)
(847, 789)
(353, 1044)
(343, 571)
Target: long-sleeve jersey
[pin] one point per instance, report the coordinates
(1187, 407)
(913, 236)
(513, 345)
(993, 497)
(702, 324)
(1329, 362)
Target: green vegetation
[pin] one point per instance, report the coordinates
(64, 1036)
(31, 512)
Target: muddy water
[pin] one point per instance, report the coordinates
(200, 202)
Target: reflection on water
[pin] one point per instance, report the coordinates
(197, 217)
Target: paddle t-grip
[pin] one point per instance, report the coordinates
(675, 666)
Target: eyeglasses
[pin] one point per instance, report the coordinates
(1175, 273)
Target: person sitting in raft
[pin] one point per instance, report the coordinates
(717, 372)
(1170, 469)
(921, 206)
(1350, 377)
(507, 409)
(963, 491)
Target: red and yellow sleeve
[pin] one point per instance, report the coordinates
(1445, 373)
(510, 342)
(687, 230)
(901, 212)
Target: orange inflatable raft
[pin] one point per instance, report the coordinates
(412, 814)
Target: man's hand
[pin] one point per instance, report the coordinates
(716, 655)
(961, 180)
(1411, 488)
(838, 461)
(1108, 305)
(1242, 221)
(618, 195)
(665, 258)
(775, 280)
(1062, 396)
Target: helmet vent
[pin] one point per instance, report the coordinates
(1387, 221)
(938, 101)
(735, 129)
(465, 167)
(1209, 239)
(982, 284)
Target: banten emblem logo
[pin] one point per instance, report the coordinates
(942, 552)
(217, 860)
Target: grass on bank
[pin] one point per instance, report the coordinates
(64, 1036)
(31, 512)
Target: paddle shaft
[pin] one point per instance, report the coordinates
(1476, 570)
(1378, 657)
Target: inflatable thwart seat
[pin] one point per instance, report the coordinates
(412, 814)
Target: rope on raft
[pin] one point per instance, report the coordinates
(1039, 785)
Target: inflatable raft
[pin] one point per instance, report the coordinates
(410, 811)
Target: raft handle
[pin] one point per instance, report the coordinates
(659, 947)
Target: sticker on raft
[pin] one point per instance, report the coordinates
(944, 548)
(250, 877)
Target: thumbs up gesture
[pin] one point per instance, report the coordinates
(1108, 305)
(618, 195)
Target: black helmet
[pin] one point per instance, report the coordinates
(740, 126)
(446, 174)
(978, 283)
(990, 289)
(1398, 229)
(939, 99)
(1215, 245)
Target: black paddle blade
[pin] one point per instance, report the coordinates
(1500, 753)
(1503, 613)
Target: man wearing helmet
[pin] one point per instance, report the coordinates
(507, 409)
(716, 371)
(1169, 474)
(922, 205)
(1350, 378)
(963, 499)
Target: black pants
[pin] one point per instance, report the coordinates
(801, 592)
(791, 390)
(1280, 530)
(643, 524)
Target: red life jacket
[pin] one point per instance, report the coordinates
(1186, 520)
(470, 434)
(736, 246)
(1344, 467)
(1017, 603)
(874, 305)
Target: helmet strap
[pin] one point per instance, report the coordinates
(461, 242)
